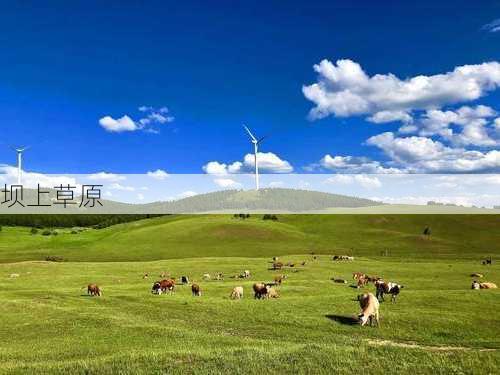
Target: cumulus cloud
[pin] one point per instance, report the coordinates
(351, 164)
(227, 183)
(472, 122)
(424, 155)
(367, 182)
(104, 176)
(159, 174)
(31, 180)
(187, 194)
(117, 186)
(390, 116)
(492, 27)
(344, 89)
(122, 124)
(268, 163)
(147, 123)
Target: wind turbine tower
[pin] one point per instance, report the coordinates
(20, 163)
(256, 143)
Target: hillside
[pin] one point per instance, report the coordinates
(184, 236)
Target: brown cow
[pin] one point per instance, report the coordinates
(93, 290)
(260, 290)
(357, 275)
(195, 289)
(167, 285)
(362, 281)
(272, 293)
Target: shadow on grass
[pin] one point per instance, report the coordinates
(346, 320)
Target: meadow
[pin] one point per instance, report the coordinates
(438, 324)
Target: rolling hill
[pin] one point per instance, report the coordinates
(186, 236)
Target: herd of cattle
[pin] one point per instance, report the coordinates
(368, 302)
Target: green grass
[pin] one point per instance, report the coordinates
(460, 236)
(438, 325)
(48, 324)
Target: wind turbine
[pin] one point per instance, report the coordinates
(256, 143)
(20, 151)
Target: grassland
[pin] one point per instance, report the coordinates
(438, 324)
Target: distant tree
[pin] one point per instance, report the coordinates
(0, 228)
(274, 217)
(247, 216)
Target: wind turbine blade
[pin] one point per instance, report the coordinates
(261, 139)
(250, 134)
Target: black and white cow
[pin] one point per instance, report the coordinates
(387, 288)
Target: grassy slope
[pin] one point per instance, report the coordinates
(461, 236)
(49, 326)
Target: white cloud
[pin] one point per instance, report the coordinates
(367, 182)
(140, 196)
(390, 116)
(214, 167)
(187, 194)
(116, 186)
(31, 180)
(407, 149)
(123, 124)
(497, 123)
(472, 121)
(159, 174)
(275, 184)
(344, 89)
(268, 163)
(351, 164)
(227, 183)
(151, 117)
(492, 27)
(423, 155)
(104, 176)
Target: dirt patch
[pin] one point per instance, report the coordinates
(411, 345)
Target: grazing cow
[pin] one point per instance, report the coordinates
(206, 276)
(246, 273)
(342, 257)
(93, 290)
(340, 281)
(260, 290)
(387, 288)
(278, 279)
(195, 289)
(275, 259)
(277, 265)
(167, 285)
(184, 280)
(303, 263)
(237, 293)
(487, 286)
(156, 289)
(480, 275)
(145, 276)
(362, 282)
(487, 261)
(369, 309)
(271, 293)
(219, 276)
(358, 275)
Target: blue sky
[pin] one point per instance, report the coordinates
(218, 65)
